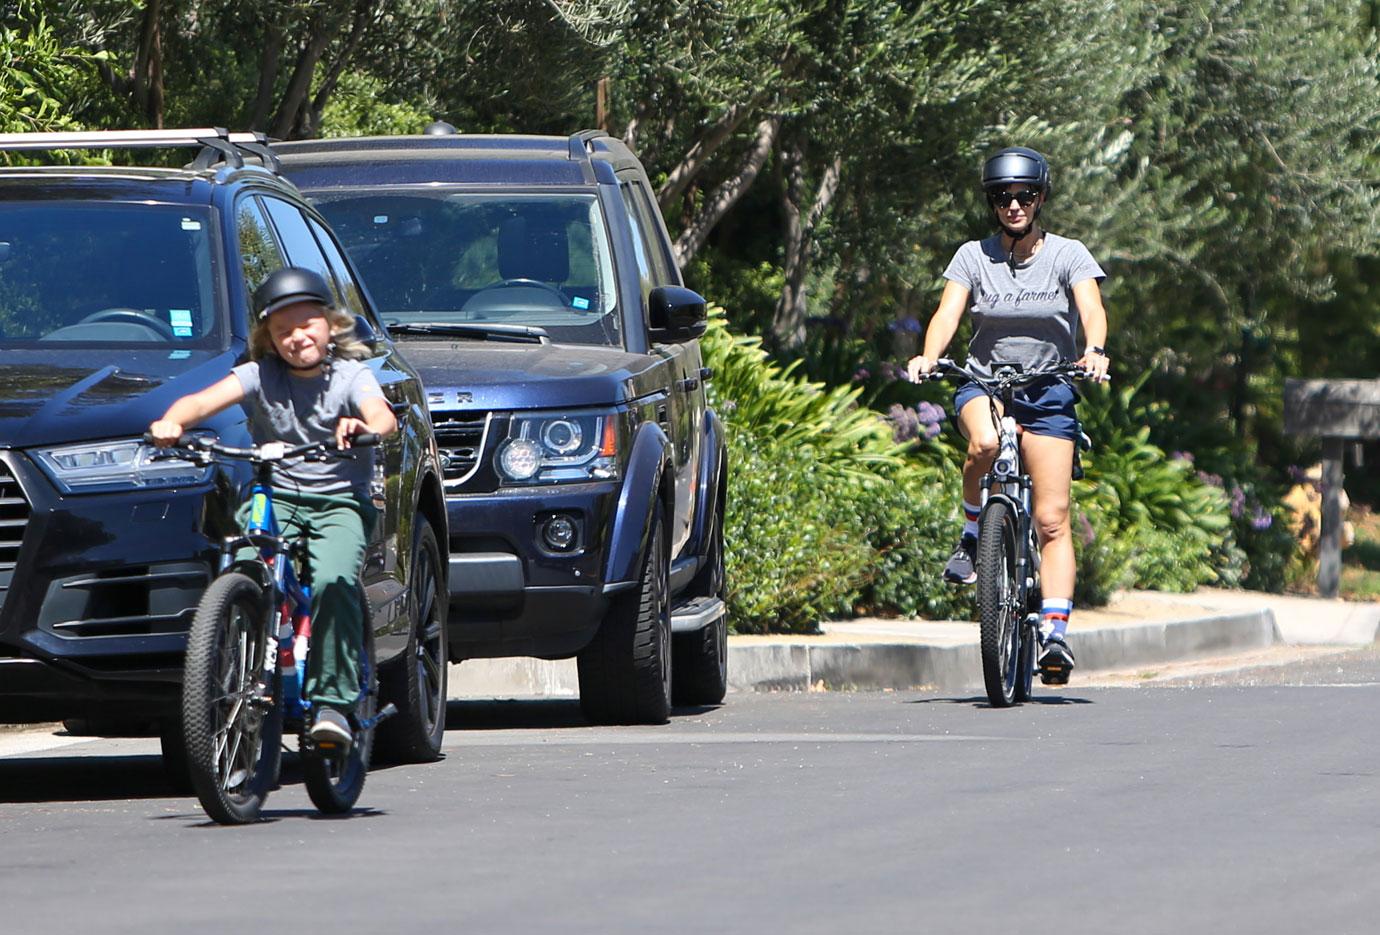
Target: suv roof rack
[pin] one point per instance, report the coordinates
(216, 143)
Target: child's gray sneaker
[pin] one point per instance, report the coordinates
(331, 729)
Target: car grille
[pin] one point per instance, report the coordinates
(14, 516)
(460, 437)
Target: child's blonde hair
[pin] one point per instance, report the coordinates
(344, 344)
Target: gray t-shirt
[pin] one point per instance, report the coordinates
(298, 410)
(1026, 315)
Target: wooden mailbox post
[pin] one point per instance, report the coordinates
(1336, 411)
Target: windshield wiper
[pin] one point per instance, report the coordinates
(522, 334)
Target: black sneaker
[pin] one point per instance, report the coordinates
(959, 569)
(331, 730)
(1056, 662)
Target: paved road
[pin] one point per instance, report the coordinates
(1239, 807)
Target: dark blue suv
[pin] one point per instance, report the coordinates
(121, 289)
(531, 281)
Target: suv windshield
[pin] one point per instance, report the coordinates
(444, 256)
(104, 273)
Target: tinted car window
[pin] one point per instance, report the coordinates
(298, 242)
(449, 255)
(346, 290)
(259, 254)
(107, 273)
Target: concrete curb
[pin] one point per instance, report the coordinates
(839, 664)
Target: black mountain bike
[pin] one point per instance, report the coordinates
(247, 649)
(1008, 551)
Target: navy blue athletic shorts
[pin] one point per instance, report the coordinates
(1042, 408)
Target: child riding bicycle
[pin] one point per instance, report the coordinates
(305, 383)
(1025, 286)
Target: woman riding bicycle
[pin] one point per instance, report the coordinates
(306, 384)
(1025, 285)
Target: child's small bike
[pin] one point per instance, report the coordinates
(242, 684)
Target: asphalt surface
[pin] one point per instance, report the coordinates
(1242, 803)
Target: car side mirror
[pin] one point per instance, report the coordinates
(675, 314)
(365, 331)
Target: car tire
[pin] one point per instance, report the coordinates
(700, 658)
(416, 683)
(625, 671)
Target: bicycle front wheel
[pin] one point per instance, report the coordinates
(999, 603)
(231, 720)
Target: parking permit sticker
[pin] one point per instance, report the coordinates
(181, 321)
(191, 224)
(581, 303)
(380, 219)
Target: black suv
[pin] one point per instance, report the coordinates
(122, 289)
(531, 281)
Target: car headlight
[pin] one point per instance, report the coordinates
(118, 465)
(551, 447)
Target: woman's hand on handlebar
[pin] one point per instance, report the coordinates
(919, 367)
(1095, 366)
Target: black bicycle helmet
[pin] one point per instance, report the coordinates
(288, 286)
(1015, 165)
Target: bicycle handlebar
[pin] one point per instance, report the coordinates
(269, 452)
(944, 368)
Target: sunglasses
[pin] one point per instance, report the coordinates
(1026, 196)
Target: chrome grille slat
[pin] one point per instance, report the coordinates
(460, 438)
(14, 517)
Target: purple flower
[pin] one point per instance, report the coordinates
(1238, 501)
(891, 371)
(861, 374)
(1181, 456)
(905, 425)
(1085, 530)
(1212, 480)
(1261, 520)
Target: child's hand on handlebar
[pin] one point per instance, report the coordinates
(347, 428)
(165, 432)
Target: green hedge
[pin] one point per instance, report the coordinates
(830, 516)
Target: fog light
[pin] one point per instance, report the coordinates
(559, 533)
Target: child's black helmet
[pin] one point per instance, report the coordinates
(288, 286)
(1016, 165)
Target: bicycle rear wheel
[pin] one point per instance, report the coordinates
(335, 782)
(231, 720)
(999, 603)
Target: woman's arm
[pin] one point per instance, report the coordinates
(195, 408)
(943, 325)
(1088, 297)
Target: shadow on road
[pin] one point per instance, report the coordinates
(536, 713)
(83, 778)
(980, 701)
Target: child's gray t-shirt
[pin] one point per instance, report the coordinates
(299, 410)
(1026, 315)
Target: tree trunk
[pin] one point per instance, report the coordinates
(359, 27)
(704, 149)
(269, 59)
(727, 194)
(788, 326)
(323, 29)
(146, 81)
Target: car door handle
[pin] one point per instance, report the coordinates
(688, 385)
(706, 374)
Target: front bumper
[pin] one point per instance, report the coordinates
(103, 589)
(512, 594)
